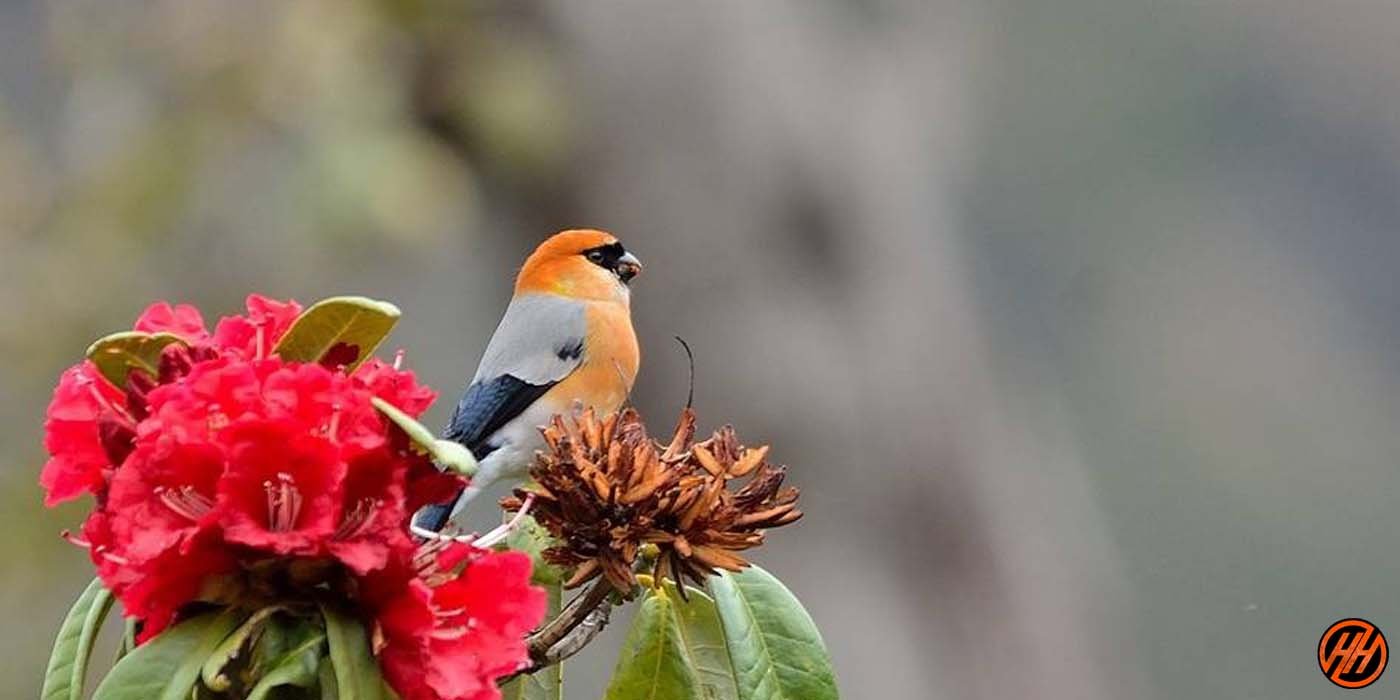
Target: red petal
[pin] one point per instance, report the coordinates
(182, 320)
(261, 452)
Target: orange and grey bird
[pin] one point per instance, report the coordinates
(566, 339)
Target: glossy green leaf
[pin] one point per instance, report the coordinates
(352, 326)
(704, 644)
(445, 453)
(654, 664)
(71, 651)
(233, 650)
(119, 353)
(356, 674)
(297, 666)
(774, 647)
(167, 667)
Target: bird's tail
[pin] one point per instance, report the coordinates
(433, 518)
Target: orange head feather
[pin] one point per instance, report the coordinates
(581, 264)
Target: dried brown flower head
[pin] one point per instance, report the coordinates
(604, 488)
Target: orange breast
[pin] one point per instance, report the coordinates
(610, 361)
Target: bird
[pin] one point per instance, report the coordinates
(565, 341)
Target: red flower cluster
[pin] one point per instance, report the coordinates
(450, 636)
(229, 473)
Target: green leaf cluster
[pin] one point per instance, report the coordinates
(746, 637)
(268, 653)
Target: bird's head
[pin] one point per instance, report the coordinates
(583, 264)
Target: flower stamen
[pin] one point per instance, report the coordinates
(357, 519)
(283, 503)
(426, 561)
(261, 347)
(334, 426)
(185, 501)
(449, 633)
(115, 559)
(75, 540)
(217, 420)
(91, 385)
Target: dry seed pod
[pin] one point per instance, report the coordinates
(605, 487)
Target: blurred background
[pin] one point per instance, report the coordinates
(1076, 321)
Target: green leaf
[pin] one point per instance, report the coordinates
(128, 640)
(325, 678)
(703, 642)
(167, 667)
(283, 632)
(119, 353)
(532, 538)
(774, 647)
(353, 325)
(69, 660)
(447, 454)
(654, 664)
(356, 671)
(297, 667)
(214, 671)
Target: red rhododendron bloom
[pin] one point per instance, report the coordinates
(281, 492)
(227, 471)
(372, 513)
(162, 496)
(453, 640)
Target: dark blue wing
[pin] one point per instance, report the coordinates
(488, 405)
(484, 408)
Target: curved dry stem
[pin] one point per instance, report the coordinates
(575, 626)
(570, 617)
(580, 636)
(572, 643)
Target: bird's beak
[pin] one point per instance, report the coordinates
(628, 266)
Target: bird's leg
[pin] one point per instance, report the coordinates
(499, 534)
(486, 541)
(433, 535)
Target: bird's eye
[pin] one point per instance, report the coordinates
(596, 257)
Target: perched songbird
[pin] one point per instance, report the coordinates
(565, 339)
